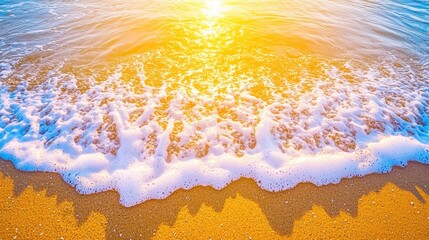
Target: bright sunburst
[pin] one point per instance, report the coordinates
(213, 8)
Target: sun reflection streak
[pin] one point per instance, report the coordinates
(212, 13)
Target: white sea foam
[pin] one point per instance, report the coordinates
(146, 97)
(119, 135)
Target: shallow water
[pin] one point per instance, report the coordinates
(146, 97)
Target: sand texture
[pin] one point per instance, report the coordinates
(385, 206)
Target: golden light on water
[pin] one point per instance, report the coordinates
(221, 56)
(212, 52)
(141, 83)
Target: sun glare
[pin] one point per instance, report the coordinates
(213, 8)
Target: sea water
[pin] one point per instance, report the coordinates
(146, 97)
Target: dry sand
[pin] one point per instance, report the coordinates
(385, 206)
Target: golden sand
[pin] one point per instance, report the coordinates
(392, 206)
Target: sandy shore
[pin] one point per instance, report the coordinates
(392, 206)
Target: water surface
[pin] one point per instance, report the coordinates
(146, 97)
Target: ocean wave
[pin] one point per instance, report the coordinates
(122, 132)
(138, 98)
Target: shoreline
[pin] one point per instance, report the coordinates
(358, 207)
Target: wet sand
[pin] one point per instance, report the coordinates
(387, 206)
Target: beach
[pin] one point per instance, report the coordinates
(214, 119)
(377, 206)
